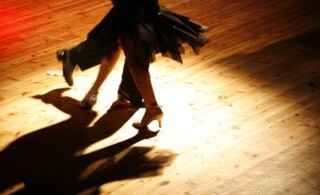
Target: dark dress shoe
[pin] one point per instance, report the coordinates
(136, 102)
(67, 67)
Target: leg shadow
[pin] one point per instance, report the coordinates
(45, 160)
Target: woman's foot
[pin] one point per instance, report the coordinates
(67, 67)
(152, 113)
(89, 101)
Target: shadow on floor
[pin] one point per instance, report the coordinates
(288, 69)
(46, 161)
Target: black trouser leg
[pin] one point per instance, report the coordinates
(128, 89)
(85, 56)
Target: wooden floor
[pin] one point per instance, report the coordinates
(243, 117)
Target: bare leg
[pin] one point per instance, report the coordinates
(107, 64)
(142, 79)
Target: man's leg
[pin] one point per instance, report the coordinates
(128, 89)
(84, 55)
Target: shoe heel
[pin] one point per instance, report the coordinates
(157, 115)
(159, 119)
(61, 55)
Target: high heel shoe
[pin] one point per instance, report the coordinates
(89, 102)
(67, 67)
(152, 113)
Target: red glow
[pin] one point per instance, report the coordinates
(10, 12)
(11, 19)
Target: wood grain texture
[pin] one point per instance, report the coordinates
(242, 117)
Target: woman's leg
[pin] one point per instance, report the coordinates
(107, 64)
(142, 79)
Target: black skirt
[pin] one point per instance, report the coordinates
(153, 29)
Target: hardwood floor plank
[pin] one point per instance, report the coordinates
(242, 117)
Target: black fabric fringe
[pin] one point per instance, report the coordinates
(153, 28)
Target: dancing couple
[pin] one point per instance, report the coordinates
(142, 29)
